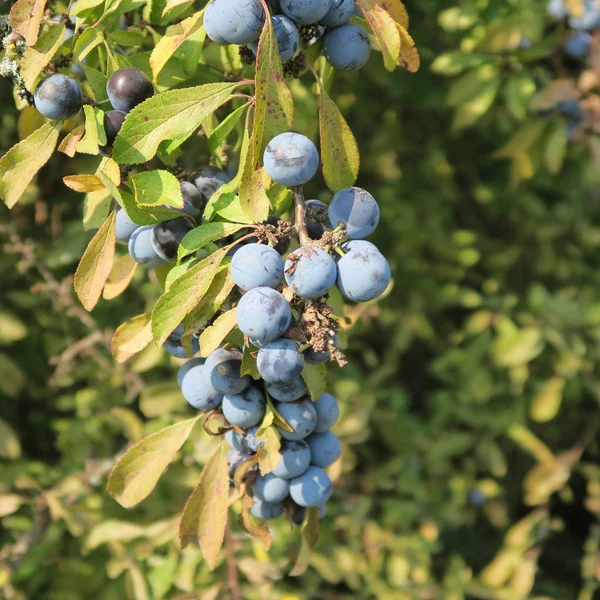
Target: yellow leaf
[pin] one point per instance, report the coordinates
(212, 336)
(385, 31)
(37, 57)
(131, 337)
(83, 183)
(120, 277)
(10, 447)
(546, 403)
(26, 17)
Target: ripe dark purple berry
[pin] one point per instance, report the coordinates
(113, 121)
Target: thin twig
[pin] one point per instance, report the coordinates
(300, 216)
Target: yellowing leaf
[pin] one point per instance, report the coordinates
(137, 472)
(203, 235)
(120, 277)
(69, 144)
(274, 110)
(385, 31)
(37, 57)
(21, 163)
(95, 264)
(171, 4)
(83, 183)
(253, 199)
(9, 504)
(131, 337)
(205, 514)
(397, 11)
(245, 522)
(268, 453)
(409, 56)
(86, 42)
(310, 537)
(26, 17)
(519, 348)
(172, 115)
(339, 150)
(546, 404)
(212, 336)
(172, 40)
(95, 135)
(10, 447)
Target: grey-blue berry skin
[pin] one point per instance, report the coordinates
(287, 392)
(310, 272)
(280, 362)
(125, 226)
(590, 19)
(288, 38)
(256, 265)
(328, 412)
(223, 368)
(291, 159)
(251, 440)
(142, 250)
(234, 459)
(325, 448)
(305, 12)
(209, 180)
(263, 313)
(128, 87)
(167, 236)
(193, 200)
(298, 513)
(174, 346)
(238, 441)
(347, 48)
(363, 275)
(185, 367)
(246, 409)
(270, 488)
(578, 44)
(267, 510)
(197, 390)
(300, 415)
(236, 21)
(58, 97)
(357, 210)
(339, 13)
(295, 459)
(312, 488)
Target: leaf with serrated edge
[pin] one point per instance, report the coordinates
(385, 31)
(152, 188)
(171, 115)
(245, 522)
(409, 57)
(204, 517)
(212, 336)
(203, 235)
(274, 110)
(340, 156)
(69, 144)
(37, 57)
(131, 337)
(183, 295)
(95, 264)
(26, 17)
(397, 11)
(21, 163)
(315, 377)
(120, 277)
(172, 40)
(137, 472)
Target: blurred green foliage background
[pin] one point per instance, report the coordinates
(470, 404)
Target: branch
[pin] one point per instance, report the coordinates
(300, 216)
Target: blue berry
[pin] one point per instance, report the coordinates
(301, 416)
(174, 346)
(193, 200)
(185, 367)
(251, 440)
(578, 44)
(310, 272)
(328, 412)
(141, 248)
(270, 488)
(256, 265)
(235, 458)
(209, 180)
(237, 441)
(264, 314)
(295, 459)
(590, 19)
(245, 409)
(288, 38)
(235, 21)
(291, 159)
(557, 9)
(287, 392)
(167, 236)
(305, 12)
(339, 13)
(363, 275)
(312, 488)
(128, 87)
(197, 390)
(125, 226)
(347, 48)
(280, 362)
(325, 448)
(298, 513)
(223, 369)
(267, 510)
(58, 97)
(357, 210)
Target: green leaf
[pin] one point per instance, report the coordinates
(86, 42)
(174, 37)
(172, 115)
(547, 401)
(21, 163)
(131, 337)
(156, 188)
(254, 202)
(37, 57)
(310, 537)
(95, 264)
(249, 363)
(274, 110)
(339, 150)
(12, 329)
(25, 18)
(95, 135)
(224, 128)
(183, 295)
(126, 38)
(10, 446)
(556, 147)
(203, 235)
(455, 62)
(518, 348)
(229, 206)
(97, 83)
(96, 207)
(83, 8)
(137, 472)
(212, 336)
(205, 514)
(12, 378)
(385, 31)
(315, 377)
